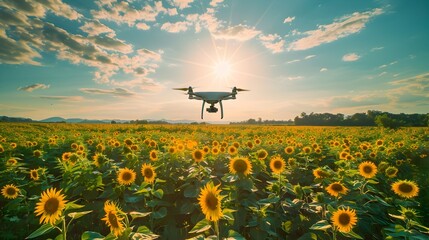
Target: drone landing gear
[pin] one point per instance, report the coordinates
(212, 109)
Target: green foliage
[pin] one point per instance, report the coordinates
(261, 205)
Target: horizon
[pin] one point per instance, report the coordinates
(120, 60)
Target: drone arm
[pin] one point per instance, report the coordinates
(221, 109)
(202, 109)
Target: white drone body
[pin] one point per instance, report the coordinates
(212, 98)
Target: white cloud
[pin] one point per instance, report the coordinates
(351, 57)
(142, 26)
(94, 28)
(182, 3)
(289, 19)
(273, 42)
(376, 49)
(120, 92)
(214, 3)
(238, 32)
(64, 98)
(123, 12)
(33, 87)
(39, 8)
(293, 78)
(309, 57)
(293, 61)
(175, 27)
(340, 28)
(323, 69)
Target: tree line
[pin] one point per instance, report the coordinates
(370, 118)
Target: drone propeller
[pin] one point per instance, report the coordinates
(239, 89)
(181, 89)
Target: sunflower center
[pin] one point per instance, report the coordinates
(153, 155)
(10, 191)
(198, 155)
(344, 219)
(126, 176)
(113, 220)
(240, 166)
(51, 205)
(34, 174)
(337, 187)
(262, 155)
(148, 173)
(211, 201)
(367, 169)
(405, 188)
(278, 164)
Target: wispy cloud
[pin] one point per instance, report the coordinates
(273, 42)
(377, 49)
(340, 28)
(323, 69)
(175, 27)
(64, 98)
(350, 57)
(389, 64)
(214, 3)
(142, 26)
(293, 61)
(120, 92)
(238, 33)
(288, 19)
(293, 78)
(33, 87)
(182, 3)
(309, 57)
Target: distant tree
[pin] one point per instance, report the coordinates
(113, 122)
(385, 121)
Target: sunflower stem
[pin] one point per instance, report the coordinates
(216, 225)
(64, 230)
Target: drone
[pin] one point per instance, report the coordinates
(212, 98)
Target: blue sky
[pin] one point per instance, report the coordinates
(111, 59)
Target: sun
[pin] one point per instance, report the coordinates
(222, 69)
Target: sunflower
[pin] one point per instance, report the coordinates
(10, 191)
(148, 173)
(232, 150)
(198, 155)
(210, 202)
(99, 159)
(320, 173)
(50, 206)
(100, 147)
(334, 189)
(34, 174)
(66, 156)
(261, 154)
(128, 142)
(277, 164)
(172, 150)
(240, 165)
(405, 188)
(153, 155)
(215, 150)
(367, 169)
(126, 176)
(289, 150)
(391, 172)
(344, 219)
(11, 162)
(112, 219)
(306, 150)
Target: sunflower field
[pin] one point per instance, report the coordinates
(124, 181)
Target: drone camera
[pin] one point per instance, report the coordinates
(212, 109)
